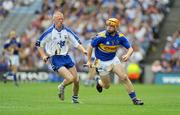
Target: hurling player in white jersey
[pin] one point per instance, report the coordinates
(53, 47)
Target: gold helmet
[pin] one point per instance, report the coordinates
(113, 22)
(12, 34)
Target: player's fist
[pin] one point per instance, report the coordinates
(85, 52)
(45, 59)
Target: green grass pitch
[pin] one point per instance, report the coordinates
(41, 99)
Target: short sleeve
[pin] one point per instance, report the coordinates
(124, 42)
(96, 41)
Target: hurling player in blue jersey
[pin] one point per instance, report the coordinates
(12, 49)
(53, 46)
(106, 44)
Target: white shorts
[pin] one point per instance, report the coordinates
(13, 60)
(104, 67)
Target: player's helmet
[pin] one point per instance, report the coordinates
(12, 34)
(113, 22)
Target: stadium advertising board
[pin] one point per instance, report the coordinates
(39, 76)
(167, 78)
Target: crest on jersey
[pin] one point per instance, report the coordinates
(65, 36)
(107, 42)
(113, 42)
(59, 35)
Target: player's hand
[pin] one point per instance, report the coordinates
(125, 57)
(46, 58)
(85, 52)
(88, 64)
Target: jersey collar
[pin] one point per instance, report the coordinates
(59, 29)
(108, 34)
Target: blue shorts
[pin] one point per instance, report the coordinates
(58, 61)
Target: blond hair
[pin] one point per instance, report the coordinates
(58, 14)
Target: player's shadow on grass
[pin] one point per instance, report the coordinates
(107, 104)
(97, 104)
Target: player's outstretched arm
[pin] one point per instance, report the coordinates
(127, 55)
(43, 54)
(82, 49)
(89, 53)
(130, 51)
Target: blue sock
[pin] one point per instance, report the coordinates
(132, 95)
(14, 77)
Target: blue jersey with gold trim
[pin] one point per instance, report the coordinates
(12, 44)
(107, 45)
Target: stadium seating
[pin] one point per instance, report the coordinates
(139, 22)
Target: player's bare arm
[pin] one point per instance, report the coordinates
(43, 55)
(81, 48)
(89, 53)
(127, 55)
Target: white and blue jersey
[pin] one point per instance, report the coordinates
(55, 42)
(56, 45)
(107, 45)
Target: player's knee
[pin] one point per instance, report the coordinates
(70, 79)
(124, 77)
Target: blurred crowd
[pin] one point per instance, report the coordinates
(170, 56)
(140, 20)
(7, 6)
